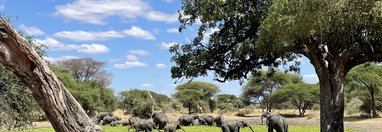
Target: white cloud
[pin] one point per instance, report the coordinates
(139, 52)
(168, 1)
(160, 66)
(62, 58)
(80, 35)
(310, 78)
(131, 57)
(162, 17)
(138, 32)
(55, 45)
(96, 11)
(130, 64)
(146, 85)
(207, 35)
(34, 31)
(172, 30)
(166, 46)
(92, 49)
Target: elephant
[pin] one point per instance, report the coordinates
(100, 116)
(172, 128)
(143, 125)
(109, 119)
(114, 123)
(160, 119)
(276, 122)
(125, 123)
(133, 120)
(206, 120)
(218, 121)
(234, 126)
(187, 120)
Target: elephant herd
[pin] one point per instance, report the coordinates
(160, 121)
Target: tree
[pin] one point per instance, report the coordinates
(301, 95)
(86, 69)
(139, 103)
(335, 35)
(258, 88)
(192, 94)
(18, 56)
(366, 76)
(228, 102)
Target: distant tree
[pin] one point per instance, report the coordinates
(366, 77)
(86, 69)
(139, 103)
(192, 94)
(90, 94)
(258, 88)
(228, 102)
(302, 96)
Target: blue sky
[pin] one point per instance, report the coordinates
(132, 36)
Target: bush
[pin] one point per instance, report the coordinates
(353, 106)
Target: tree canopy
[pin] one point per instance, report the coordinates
(258, 88)
(300, 95)
(335, 35)
(366, 77)
(194, 94)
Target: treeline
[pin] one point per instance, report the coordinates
(88, 81)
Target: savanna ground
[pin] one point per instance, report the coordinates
(309, 123)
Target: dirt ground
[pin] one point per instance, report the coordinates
(312, 118)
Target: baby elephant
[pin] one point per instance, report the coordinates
(172, 128)
(234, 126)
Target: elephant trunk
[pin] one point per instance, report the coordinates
(251, 128)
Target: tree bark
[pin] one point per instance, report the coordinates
(374, 112)
(63, 111)
(331, 79)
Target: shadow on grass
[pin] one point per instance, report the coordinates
(357, 118)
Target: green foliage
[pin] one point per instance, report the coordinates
(259, 88)
(302, 96)
(228, 103)
(90, 94)
(192, 94)
(364, 82)
(139, 103)
(18, 107)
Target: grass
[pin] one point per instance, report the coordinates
(257, 128)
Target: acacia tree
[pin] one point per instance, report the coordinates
(335, 35)
(301, 95)
(367, 76)
(196, 93)
(259, 88)
(18, 56)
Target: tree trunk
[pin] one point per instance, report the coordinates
(63, 111)
(331, 79)
(374, 112)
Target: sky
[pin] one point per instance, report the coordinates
(131, 36)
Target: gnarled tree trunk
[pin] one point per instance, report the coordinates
(63, 111)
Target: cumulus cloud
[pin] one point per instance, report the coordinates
(160, 66)
(162, 17)
(131, 57)
(166, 46)
(34, 31)
(140, 52)
(62, 58)
(146, 85)
(172, 30)
(130, 64)
(138, 32)
(80, 35)
(310, 78)
(55, 45)
(96, 11)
